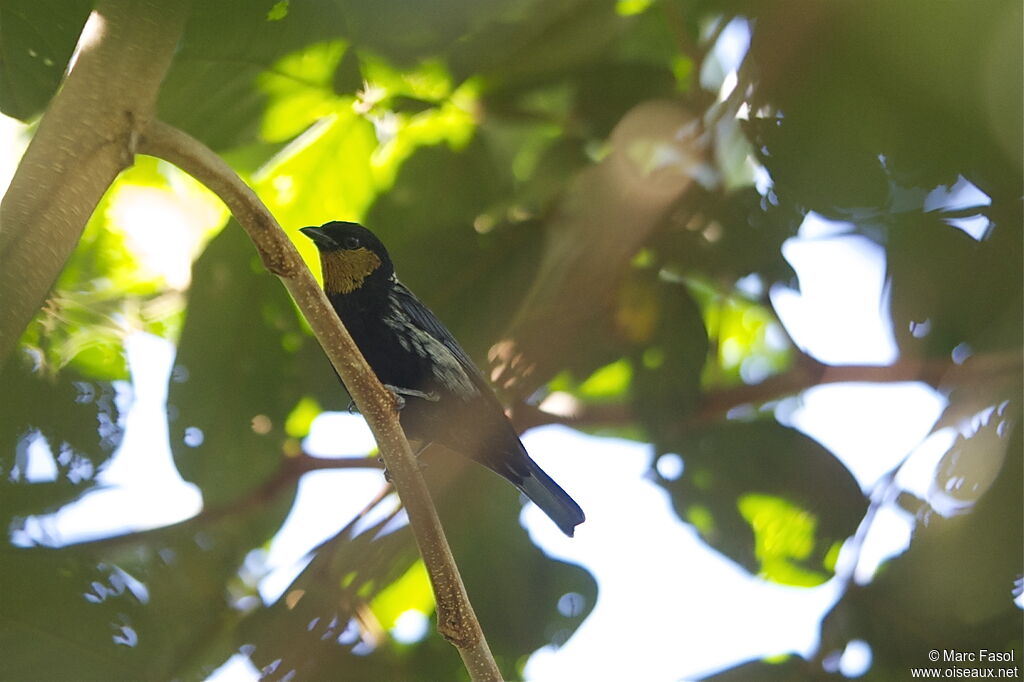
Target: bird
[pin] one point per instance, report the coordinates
(444, 397)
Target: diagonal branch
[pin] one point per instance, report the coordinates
(456, 619)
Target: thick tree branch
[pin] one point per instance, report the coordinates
(84, 140)
(456, 619)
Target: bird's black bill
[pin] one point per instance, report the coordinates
(318, 237)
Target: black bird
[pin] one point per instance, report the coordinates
(447, 399)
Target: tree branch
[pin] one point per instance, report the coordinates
(291, 469)
(805, 374)
(84, 140)
(456, 619)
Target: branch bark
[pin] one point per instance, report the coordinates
(84, 140)
(456, 619)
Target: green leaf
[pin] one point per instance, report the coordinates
(236, 376)
(211, 89)
(302, 184)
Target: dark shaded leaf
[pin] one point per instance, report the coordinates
(151, 605)
(348, 76)
(79, 420)
(669, 355)
(37, 38)
(236, 375)
(952, 589)
(943, 285)
(749, 487)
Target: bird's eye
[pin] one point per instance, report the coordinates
(351, 242)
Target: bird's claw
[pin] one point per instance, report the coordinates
(399, 394)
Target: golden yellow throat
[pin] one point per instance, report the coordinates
(344, 271)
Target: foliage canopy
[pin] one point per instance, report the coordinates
(596, 206)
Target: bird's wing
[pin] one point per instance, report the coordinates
(425, 320)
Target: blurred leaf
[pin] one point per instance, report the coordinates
(919, 95)
(37, 38)
(410, 592)
(746, 481)
(148, 606)
(298, 90)
(954, 585)
(605, 92)
(942, 284)
(236, 378)
(668, 363)
(741, 234)
(312, 630)
(968, 470)
(324, 175)
(403, 33)
(748, 342)
(301, 418)
(211, 90)
(92, 638)
(539, 43)
(783, 537)
(331, 622)
(608, 382)
(348, 74)
(78, 420)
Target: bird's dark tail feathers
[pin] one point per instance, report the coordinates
(550, 497)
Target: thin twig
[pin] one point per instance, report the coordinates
(456, 619)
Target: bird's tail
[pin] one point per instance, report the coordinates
(550, 497)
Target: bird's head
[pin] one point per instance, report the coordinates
(350, 256)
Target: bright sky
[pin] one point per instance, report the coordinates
(682, 608)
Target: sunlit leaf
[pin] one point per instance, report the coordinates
(410, 592)
(301, 418)
(299, 90)
(610, 381)
(748, 339)
(783, 533)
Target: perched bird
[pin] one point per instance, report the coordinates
(447, 400)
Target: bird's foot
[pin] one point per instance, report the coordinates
(400, 394)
